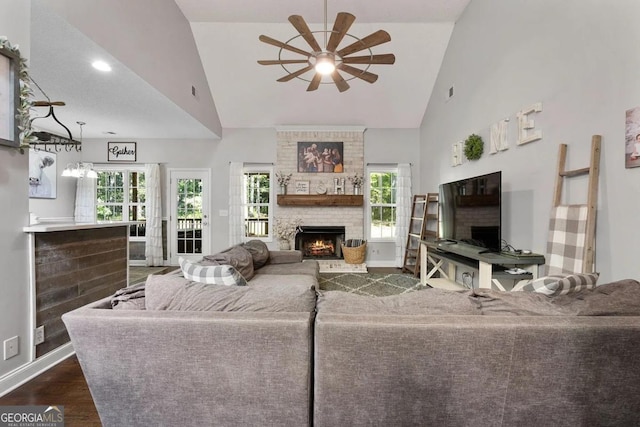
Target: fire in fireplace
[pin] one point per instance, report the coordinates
(320, 241)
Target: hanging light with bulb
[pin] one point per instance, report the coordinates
(80, 169)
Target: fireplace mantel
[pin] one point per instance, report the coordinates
(320, 200)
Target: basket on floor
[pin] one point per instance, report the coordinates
(354, 254)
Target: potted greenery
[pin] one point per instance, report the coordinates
(285, 230)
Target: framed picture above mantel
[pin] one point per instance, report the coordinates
(319, 157)
(121, 152)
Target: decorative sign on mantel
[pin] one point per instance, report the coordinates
(123, 152)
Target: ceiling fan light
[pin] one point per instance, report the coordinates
(325, 65)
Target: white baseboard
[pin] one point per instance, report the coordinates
(16, 378)
(381, 263)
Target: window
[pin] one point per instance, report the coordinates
(120, 196)
(382, 204)
(257, 203)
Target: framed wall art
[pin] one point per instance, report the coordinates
(632, 138)
(9, 97)
(42, 174)
(320, 157)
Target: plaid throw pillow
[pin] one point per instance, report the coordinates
(577, 282)
(211, 274)
(559, 284)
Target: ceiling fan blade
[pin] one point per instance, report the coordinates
(361, 74)
(298, 22)
(387, 58)
(340, 28)
(48, 103)
(274, 42)
(282, 61)
(374, 39)
(315, 82)
(339, 81)
(296, 74)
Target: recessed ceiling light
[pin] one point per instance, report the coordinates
(101, 65)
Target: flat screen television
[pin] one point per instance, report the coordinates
(470, 211)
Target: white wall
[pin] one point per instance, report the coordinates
(579, 58)
(153, 39)
(392, 146)
(14, 270)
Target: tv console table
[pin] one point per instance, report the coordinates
(491, 266)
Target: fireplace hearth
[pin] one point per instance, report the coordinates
(320, 242)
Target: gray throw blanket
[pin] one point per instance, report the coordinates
(130, 298)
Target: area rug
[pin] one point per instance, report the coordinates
(371, 284)
(340, 266)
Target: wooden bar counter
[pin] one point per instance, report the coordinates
(73, 264)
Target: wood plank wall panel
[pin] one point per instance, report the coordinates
(72, 269)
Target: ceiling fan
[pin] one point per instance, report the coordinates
(329, 60)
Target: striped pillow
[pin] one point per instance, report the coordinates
(559, 284)
(211, 274)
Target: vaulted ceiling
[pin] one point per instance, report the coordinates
(246, 94)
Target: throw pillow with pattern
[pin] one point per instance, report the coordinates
(211, 274)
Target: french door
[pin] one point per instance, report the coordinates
(189, 219)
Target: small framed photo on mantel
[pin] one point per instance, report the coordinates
(122, 152)
(301, 187)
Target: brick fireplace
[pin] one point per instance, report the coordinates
(348, 217)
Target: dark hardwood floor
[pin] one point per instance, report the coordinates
(64, 384)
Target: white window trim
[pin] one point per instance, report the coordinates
(120, 168)
(268, 168)
(369, 170)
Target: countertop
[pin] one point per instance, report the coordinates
(46, 227)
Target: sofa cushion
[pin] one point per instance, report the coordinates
(211, 274)
(259, 252)
(427, 301)
(177, 293)
(501, 303)
(308, 267)
(260, 280)
(559, 284)
(236, 256)
(620, 298)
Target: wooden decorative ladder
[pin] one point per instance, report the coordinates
(423, 226)
(592, 171)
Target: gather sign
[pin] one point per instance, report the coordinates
(121, 152)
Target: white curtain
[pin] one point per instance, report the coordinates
(85, 209)
(236, 216)
(403, 210)
(153, 239)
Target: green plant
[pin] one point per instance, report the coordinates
(473, 147)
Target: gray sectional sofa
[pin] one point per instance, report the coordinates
(430, 358)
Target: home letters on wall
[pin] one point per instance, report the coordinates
(526, 125)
